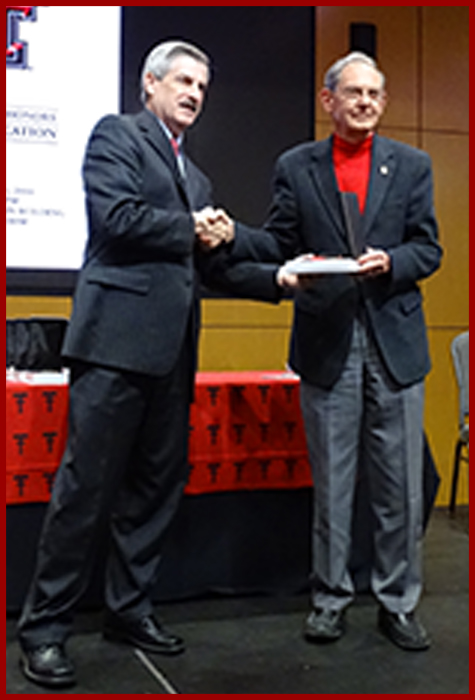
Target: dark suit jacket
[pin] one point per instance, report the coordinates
(138, 286)
(306, 216)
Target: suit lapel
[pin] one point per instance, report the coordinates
(155, 136)
(383, 167)
(322, 174)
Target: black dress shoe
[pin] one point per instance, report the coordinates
(48, 665)
(404, 630)
(324, 625)
(145, 633)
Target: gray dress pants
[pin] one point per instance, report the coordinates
(365, 416)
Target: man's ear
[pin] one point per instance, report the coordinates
(149, 80)
(326, 98)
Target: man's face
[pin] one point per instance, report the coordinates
(358, 102)
(178, 97)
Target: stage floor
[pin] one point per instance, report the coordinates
(245, 645)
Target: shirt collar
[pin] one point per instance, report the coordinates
(349, 148)
(168, 133)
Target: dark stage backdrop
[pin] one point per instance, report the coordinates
(261, 98)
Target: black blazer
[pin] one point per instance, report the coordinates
(138, 288)
(306, 216)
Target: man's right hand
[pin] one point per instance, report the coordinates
(213, 227)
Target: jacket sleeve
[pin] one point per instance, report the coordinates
(127, 215)
(245, 279)
(279, 239)
(419, 253)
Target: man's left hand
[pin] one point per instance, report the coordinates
(374, 262)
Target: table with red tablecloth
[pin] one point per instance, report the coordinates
(244, 524)
(246, 432)
(36, 424)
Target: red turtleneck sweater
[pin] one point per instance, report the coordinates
(352, 166)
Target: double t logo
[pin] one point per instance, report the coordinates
(17, 56)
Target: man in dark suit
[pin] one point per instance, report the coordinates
(358, 341)
(131, 346)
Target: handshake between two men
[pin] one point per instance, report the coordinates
(215, 226)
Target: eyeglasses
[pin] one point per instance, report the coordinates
(353, 94)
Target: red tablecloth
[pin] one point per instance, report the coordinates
(246, 432)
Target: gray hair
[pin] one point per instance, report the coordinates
(159, 60)
(333, 74)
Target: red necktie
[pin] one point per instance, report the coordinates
(175, 146)
(179, 157)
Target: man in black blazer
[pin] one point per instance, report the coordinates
(131, 346)
(358, 341)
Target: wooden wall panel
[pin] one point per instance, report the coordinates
(23, 307)
(235, 349)
(447, 291)
(236, 313)
(397, 37)
(244, 335)
(445, 61)
(409, 136)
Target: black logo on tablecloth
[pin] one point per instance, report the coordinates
(50, 438)
(20, 439)
(264, 431)
(291, 464)
(239, 429)
(214, 469)
(239, 467)
(20, 398)
(237, 391)
(49, 397)
(290, 429)
(264, 391)
(213, 430)
(288, 390)
(49, 478)
(21, 480)
(264, 465)
(213, 392)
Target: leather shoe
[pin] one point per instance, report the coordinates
(145, 633)
(324, 625)
(48, 665)
(404, 630)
